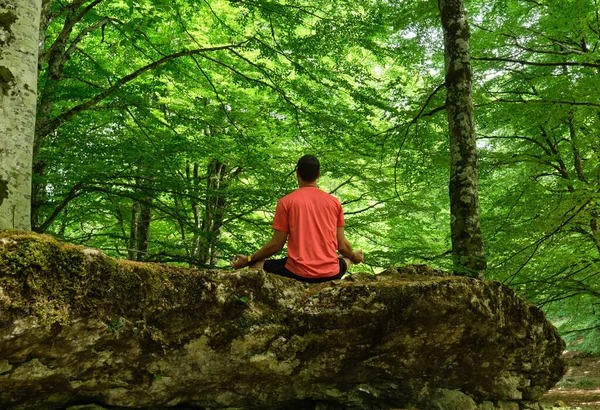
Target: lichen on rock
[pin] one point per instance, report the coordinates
(78, 327)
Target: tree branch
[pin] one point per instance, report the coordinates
(51, 125)
(64, 35)
(517, 137)
(539, 64)
(575, 103)
(73, 193)
(81, 35)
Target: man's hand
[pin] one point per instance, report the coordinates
(239, 261)
(357, 257)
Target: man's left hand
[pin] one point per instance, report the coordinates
(239, 261)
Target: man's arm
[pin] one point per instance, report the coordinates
(269, 249)
(346, 249)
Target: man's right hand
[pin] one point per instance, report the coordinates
(239, 261)
(358, 257)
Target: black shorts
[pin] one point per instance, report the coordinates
(277, 266)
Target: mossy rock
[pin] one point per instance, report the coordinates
(79, 327)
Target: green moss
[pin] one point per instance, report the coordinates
(416, 327)
(57, 282)
(30, 266)
(53, 280)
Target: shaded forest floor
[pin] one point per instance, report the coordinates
(580, 387)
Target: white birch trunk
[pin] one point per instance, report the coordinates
(19, 36)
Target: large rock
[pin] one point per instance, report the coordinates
(77, 327)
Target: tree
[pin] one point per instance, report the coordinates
(537, 67)
(18, 94)
(467, 241)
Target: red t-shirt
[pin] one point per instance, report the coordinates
(310, 217)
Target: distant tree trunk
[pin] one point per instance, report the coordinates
(215, 207)
(198, 245)
(595, 229)
(139, 231)
(19, 34)
(577, 161)
(63, 223)
(144, 230)
(215, 251)
(209, 224)
(132, 251)
(467, 242)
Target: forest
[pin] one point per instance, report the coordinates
(166, 131)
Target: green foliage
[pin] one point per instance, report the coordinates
(242, 299)
(577, 319)
(256, 109)
(116, 325)
(197, 112)
(585, 384)
(538, 125)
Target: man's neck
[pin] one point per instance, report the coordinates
(302, 184)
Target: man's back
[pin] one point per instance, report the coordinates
(310, 217)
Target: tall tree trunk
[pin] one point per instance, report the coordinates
(19, 35)
(467, 242)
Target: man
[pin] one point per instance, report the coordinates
(312, 221)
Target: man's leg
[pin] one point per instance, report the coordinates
(277, 266)
(257, 265)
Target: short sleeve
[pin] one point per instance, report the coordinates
(340, 220)
(281, 221)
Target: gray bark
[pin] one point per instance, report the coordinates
(19, 34)
(133, 231)
(197, 211)
(209, 221)
(467, 241)
(144, 230)
(576, 153)
(139, 231)
(595, 230)
(215, 207)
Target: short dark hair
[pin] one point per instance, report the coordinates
(308, 168)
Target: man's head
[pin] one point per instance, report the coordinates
(308, 168)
